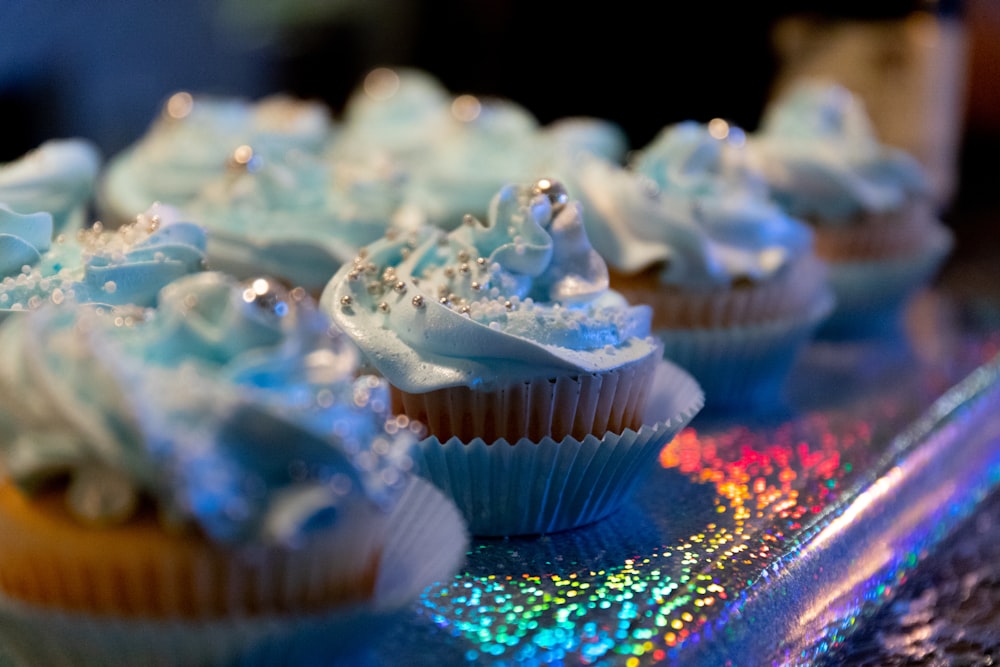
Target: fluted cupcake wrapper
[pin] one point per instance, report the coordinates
(790, 292)
(533, 487)
(609, 400)
(871, 294)
(426, 543)
(139, 570)
(742, 368)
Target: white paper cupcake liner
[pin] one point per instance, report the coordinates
(529, 488)
(427, 542)
(745, 367)
(871, 294)
(787, 293)
(597, 402)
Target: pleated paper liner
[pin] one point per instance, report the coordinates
(744, 368)
(871, 294)
(532, 487)
(789, 292)
(877, 235)
(426, 542)
(567, 406)
(138, 568)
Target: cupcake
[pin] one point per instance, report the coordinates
(298, 218)
(870, 205)
(195, 138)
(733, 282)
(531, 376)
(125, 266)
(454, 152)
(213, 471)
(58, 177)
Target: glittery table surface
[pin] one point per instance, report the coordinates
(769, 539)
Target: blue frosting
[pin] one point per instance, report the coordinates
(820, 154)
(23, 239)
(124, 266)
(58, 177)
(232, 406)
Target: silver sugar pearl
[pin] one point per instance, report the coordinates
(417, 301)
(481, 261)
(101, 495)
(383, 306)
(399, 287)
(346, 300)
(268, 295)
(552, 189)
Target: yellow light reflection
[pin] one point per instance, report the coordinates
(466, 108)
(179, 105)
(381, 83)
(718, 128)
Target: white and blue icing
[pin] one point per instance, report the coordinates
(124, 266)
(689, 205)
(24, 238)
(520, 295)
(58, 178)
(194, 140)
(231, 406)
(823, 161)
(298, 218)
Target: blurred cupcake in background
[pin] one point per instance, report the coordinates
(870, 205)
(298, 218)
(734, 284)
(454, 151)
(58, 178)
(192, 142)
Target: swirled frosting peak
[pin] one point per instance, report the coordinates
(23, 239)
(820, 154)
(124, 266)
(519, 295)
(194, 140)
(232, 407)
(58, 177)
(707, 227)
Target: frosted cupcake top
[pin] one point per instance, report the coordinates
(819, 152)
(125, 266)
(195, 138)
(521, 295)
(697, 215)
(231, 406)
(58, 177)
(297, 218)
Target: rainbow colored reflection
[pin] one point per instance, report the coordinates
(730, 508)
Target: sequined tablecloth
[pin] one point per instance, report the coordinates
(774, 539)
